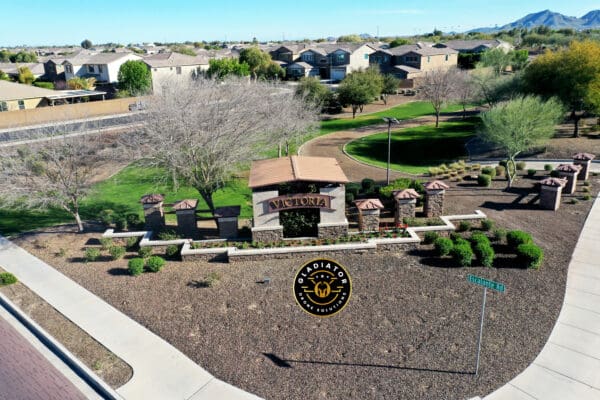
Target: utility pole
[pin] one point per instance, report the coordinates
(390, 121)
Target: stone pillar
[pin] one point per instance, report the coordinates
(406, 201)
(333, 222)
(265, 225)
(584, 160)
(153, 212)
(434, 198)
(227, 221)
(368, 214)
(570, 172)
(550, 193)
(187, 225)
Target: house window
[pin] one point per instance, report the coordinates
(410, 59)
(178, 70)
(428, 59)
(308, 57)
(90, 69)
(21, 105)
(341, 57)
(3, 106)
(366, 56)
(69, 69)
(100, 69)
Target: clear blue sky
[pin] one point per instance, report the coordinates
(37, 22)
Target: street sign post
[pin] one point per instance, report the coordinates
(486, 284)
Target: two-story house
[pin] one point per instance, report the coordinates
(174, 68)
(412, 61)
(102, 66)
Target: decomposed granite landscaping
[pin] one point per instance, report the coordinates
(409, 331)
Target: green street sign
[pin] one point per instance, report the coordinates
(486, 283)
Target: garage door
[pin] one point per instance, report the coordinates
(338, 74)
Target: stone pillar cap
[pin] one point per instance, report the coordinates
(152, 198)
(405, 194)
(187, 204)
(227, 211)
(436, 185)
(568, 168)
(368, 204)
(583, 156)
(554, 182)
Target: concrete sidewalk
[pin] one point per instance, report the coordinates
(568, 367)
(160, 371)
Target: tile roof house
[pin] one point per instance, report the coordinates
(413, 60)
(169, 68)
(12, 69)
(476, 46)
(16, 96)
(102, 66)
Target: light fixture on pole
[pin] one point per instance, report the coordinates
(390, 121)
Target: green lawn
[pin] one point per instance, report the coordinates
(413, 150)
(122, 193)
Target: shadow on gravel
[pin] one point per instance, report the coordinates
(118, 271)
(280, 362)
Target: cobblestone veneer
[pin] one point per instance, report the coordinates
(332, 232)
(368, 221)
(434, 204)
(267, 235)
(404, 210)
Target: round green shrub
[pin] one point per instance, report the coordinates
(120, 223)
(520, 165)
(353, 188)
(106, 243)
(116, 252)
(464, 226)
(587, 197)
(6, 278)
(145, 252)
(430, 237)
(484, 180)
(443, 246)
(106, 217)
(130, 242)
(136, 266)
(134, 221)
(516, 238)
(456, 237)
(155, 263)
(367, 185)
(349, 197)
(554, 173)
(489, 171)
(92, 253)
(172, 250)
(531, 172)
(548, 167)
(484, 253)
(531, 254)
(479, 237)
(462, 254)
(487, 224)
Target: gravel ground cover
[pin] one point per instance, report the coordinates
(408, 332)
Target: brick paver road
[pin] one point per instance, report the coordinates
(27, 375)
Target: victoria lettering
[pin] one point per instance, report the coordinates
(299, 201)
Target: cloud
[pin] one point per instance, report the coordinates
(398, 11)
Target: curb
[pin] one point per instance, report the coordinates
(87, 375)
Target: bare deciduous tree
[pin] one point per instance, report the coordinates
(465, 90)
(438, 87)
(200, 133)
(53, 170)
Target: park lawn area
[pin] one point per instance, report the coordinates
(414, 150)
(122, 193)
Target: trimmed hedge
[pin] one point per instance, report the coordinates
(464, 226)
(6, 278)
(531, 172)
(145, 251)
(487, 224)
(443, 246)
(136, 266)
(155, 263)
(516, 238)
(462, 253)
(484, 180)
(92, 253)
(368, 185)
(489, 171)
(430, 237)
(548, 167)
(483, 249)
(531, 254)
(500, 235)
(116, 252)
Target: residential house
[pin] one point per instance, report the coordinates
(102, 66)
(54, 70)
(16, 96)
(287, 53)
(169, 68)
(476, 46)
(12, 69)
(412, 61)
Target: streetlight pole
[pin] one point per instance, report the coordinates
(390, 121)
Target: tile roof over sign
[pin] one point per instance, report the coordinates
(295, 168)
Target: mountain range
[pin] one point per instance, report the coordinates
(553, 20)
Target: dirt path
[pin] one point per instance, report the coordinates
(331, 145)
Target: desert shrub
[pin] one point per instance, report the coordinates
(531, 172)
(6, 278)
(484, 180)
(484, 253)
(456, 237)
(116, 252)
(475, 167)
(462, 253)
(430, 237)
(212, 279)
(413, 221)
(554, 173)
(367, 185)
(500, 170)
(136, 266)
(134, 221)
(487, 224)
(92, 253)
(120, 223)
(531, 254)
(106, 217)
(61, 252)
(548, 167)
(106, 243)
(168, 235)
(586, 183)
(245, 245)
(172, 250)
(434, 171)
(464, 226)
(353, 188)
(349, 198)
(488, 171)
(479, 237)
(573, 201)
(145, 251)
(443, 246)
(520, 165)
(516, 238)
(131, 242)
(45, 85)
(586, 189)
(155, 263)
(587, 197)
